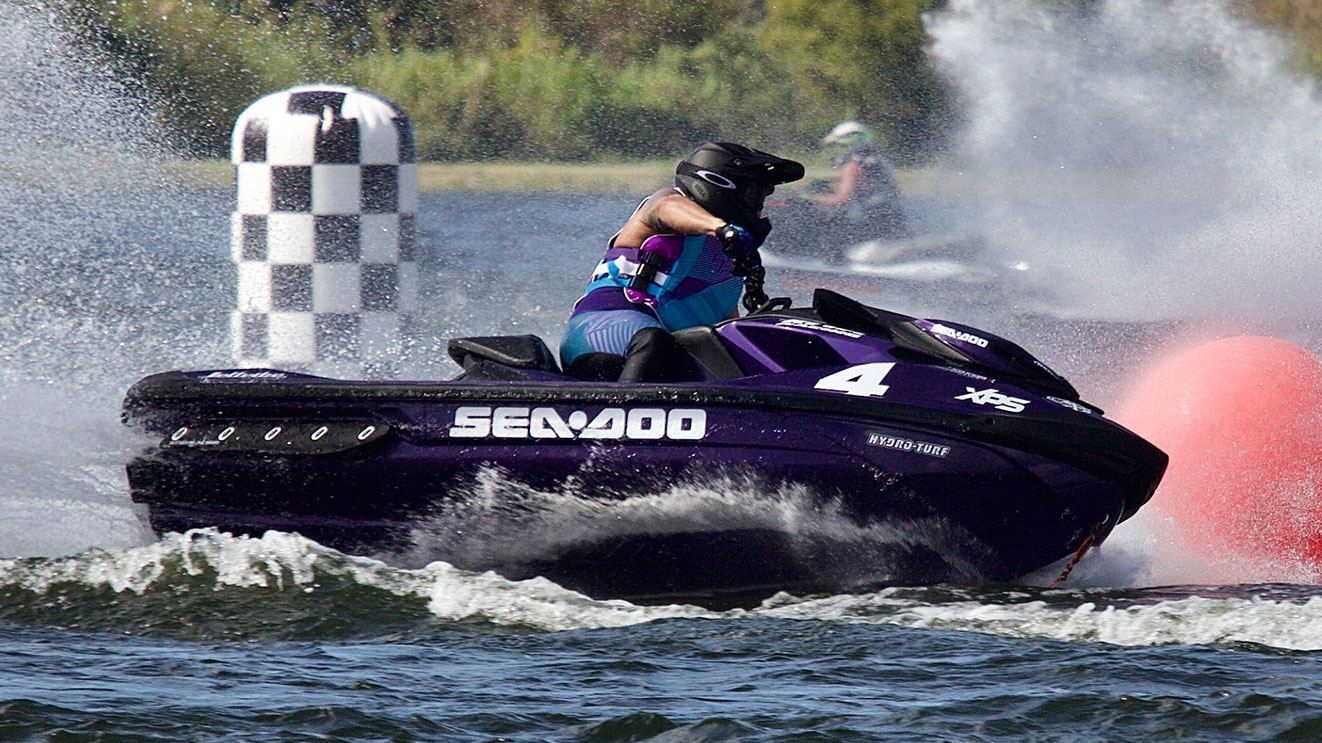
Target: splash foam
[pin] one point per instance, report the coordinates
(1147, 159)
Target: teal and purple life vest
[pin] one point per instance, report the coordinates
(692, 284)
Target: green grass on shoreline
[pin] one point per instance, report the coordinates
(602, 178)
(496, 177)
(623, 178)
(527, 177)
(490, 177)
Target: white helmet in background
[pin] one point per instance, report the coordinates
(847, 133)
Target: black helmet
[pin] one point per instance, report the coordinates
(730, 181)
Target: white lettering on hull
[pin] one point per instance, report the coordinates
(522, 422)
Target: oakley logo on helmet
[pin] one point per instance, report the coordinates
(717, 179)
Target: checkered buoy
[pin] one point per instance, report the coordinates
(324, 231)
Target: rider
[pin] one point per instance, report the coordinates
(866, 192)
(676, 264)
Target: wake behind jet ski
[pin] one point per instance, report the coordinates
(947, 454)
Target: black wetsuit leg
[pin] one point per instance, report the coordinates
(654, 356)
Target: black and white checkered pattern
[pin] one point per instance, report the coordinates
(324, 230)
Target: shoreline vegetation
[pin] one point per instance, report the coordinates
(523, 80)
(546, 95)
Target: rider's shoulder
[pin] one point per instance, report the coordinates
(666, 194)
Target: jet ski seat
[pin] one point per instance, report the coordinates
(518, 351)
(691, 355)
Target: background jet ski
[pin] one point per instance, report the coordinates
(919, 273)
(942, 452)
(806, 229)
(911, 254)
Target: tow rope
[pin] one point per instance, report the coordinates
(1084, 546)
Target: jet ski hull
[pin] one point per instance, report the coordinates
(834, 492)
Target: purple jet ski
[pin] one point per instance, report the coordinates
(942, 452)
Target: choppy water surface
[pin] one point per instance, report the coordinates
(209, 637)
(110, 634)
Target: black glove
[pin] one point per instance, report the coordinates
(736, 242)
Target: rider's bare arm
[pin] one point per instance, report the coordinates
(850, 175)
(667, 212)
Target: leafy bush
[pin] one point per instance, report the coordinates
(536, 79)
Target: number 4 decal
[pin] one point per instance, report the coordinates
(864, 380)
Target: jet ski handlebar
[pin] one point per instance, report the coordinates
(755, 299)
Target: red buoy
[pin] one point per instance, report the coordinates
(1241, 419)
